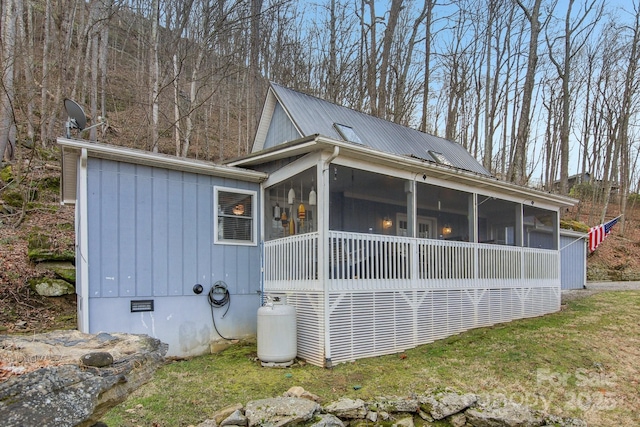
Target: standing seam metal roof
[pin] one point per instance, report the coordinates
(315, 116)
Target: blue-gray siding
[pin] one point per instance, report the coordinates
(150, 234)
(281, 129)
(573, 262)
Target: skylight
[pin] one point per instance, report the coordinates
(347, 133)
(440, 158)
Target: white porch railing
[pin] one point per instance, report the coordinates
(291, 263)
(360, 261)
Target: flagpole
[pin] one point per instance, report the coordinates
(587, 234)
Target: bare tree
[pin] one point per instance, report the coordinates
(573, 42)
(518, 168)
(631, 88)
(7, 118)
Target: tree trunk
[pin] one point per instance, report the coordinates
(518, 172)
(394, 14)
(154, 75)
(7, 118)
(427, 64)
(630, 89)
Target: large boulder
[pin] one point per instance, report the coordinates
(48, 287)
(280, 411)
(55, 386)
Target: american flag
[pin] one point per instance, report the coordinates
(599, 232)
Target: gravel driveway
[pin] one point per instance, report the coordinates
(595, 287)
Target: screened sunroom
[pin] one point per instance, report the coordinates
(384, 238)
(377, 260)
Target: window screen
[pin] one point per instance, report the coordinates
(235, 216)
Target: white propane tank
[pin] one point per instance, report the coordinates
(277, 336)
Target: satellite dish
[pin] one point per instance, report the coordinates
(77, 118)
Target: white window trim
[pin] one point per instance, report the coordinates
(254, 220)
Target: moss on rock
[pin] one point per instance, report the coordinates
(51, 287)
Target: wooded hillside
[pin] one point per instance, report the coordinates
(537, 90)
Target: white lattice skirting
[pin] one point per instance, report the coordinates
(365, 324)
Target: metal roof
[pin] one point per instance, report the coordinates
(313, 115)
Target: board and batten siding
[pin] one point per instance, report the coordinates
(150, 236)
(573, 260)
(281, 128)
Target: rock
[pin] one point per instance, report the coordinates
(328, 420)
(398, 404)
(372, 416)
(63, 393)
(499, 412)
(208, 423)
(295, 391)
(441, 405)
(384, 415)
(237, 418)
(347, 408)
(219, 416)
(98, 359)
(425, 416)
(457, 420)
(280, 411)
(556, 421)
(404, 422)
(52, 287)
(66, 274)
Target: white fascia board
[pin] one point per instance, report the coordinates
(265, 119)
(130, 155)
(285, 150)
(300, 165)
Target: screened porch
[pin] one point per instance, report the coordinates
(376, 264)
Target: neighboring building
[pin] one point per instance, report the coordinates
(382, 237)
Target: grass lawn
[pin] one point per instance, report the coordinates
(583, 361)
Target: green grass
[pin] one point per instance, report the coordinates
(582, 361)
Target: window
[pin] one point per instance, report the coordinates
(347, 133)
(440, 158)
(235, 216)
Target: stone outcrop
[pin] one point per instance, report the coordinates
(445, 407)
(56, 386)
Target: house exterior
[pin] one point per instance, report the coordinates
(381, 237)
(149, 229)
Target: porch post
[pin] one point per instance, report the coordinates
(324, 164)
(556, 230)
(410, 190)
(517, 233)
(472, 216)
(412, 219)
(473, 231)
(518, 238)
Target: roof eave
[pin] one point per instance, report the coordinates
(447, 172)
(131, 155)
(318, 142)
